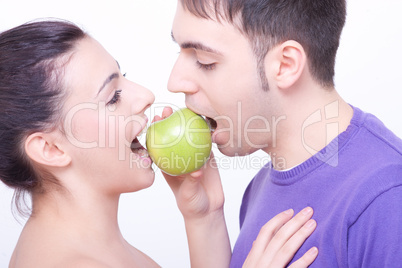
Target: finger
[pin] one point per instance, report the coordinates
(156, 118)
(186, 184)
(212, 180)
(176, 181)
(286, 253)
(208, 175)
(167, 111)
(197, 174)
(289, 229)
(306, 259)
(265, 235)
(211, 162)
(173, 181)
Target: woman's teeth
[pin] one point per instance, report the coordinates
(143, 153)
(137, 148)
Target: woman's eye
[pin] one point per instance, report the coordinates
(116, 97)
(207, 67)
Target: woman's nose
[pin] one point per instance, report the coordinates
(143, 99)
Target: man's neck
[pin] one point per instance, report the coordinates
(310, 125)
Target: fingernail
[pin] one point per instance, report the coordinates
(313, 251)
(288, 212)
(307, 210)
(310, 224)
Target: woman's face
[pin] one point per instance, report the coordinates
(104, 113)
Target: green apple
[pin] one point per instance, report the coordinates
(179, 144)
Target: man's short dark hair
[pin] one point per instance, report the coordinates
(316, 24)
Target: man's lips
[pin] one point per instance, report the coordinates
(211, 123)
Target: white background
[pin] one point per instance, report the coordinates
(137, 34)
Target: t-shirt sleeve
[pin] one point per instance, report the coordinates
(375, 239)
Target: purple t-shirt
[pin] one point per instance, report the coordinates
(354, 186)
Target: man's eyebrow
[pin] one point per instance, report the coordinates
(197, 46)
(107, 81)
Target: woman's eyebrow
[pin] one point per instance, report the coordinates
(107, 81)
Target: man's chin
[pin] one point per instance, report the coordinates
(234, 151)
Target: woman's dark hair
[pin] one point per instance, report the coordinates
(31, 93)
(315, 24)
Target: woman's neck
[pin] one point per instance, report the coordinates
(82, 212)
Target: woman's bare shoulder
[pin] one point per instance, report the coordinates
(39, 247)
(56, 248)
(60, 261)
(51, 254)
(82, 262)
(44, 243)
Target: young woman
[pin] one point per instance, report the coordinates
(68, 126)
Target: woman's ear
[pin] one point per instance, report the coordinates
(289, 63)
(41, 148)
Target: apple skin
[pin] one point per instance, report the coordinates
(179, 144)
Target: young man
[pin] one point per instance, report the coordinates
(262, 72)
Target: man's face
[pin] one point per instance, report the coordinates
(217, 71)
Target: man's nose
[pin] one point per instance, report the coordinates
(182, 78)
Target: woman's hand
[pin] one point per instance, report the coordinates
(280, 238)
(198, 194)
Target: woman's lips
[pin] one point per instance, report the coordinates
(137, 148)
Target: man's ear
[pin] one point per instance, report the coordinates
(289, 63)
(40, 147)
